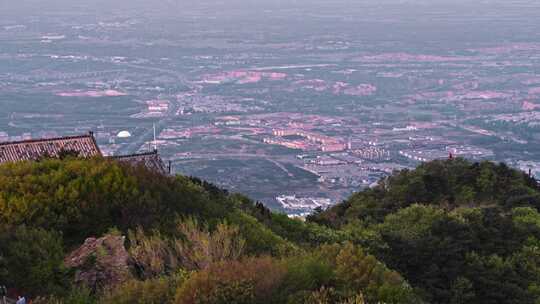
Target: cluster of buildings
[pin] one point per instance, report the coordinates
(6, 137)
(154, 109)
(306, 141)
(192, 103)
(465, 151)
(336, 88)
(302, 206)
(242, 77)
(176, 132)
(372, 153)
(532, 167)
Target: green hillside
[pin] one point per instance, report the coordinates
(188, 242)
(458, 232)
(95, 231)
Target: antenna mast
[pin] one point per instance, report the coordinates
(155, 144)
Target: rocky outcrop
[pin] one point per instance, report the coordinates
(100, 263)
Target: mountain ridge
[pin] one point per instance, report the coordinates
(449, 231)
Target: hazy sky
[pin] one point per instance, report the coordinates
(36, 6)
(502, 19)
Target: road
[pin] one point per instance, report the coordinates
(160, 124)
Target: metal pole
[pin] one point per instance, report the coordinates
(155, 145)
(3, 292)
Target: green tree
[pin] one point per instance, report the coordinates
(32, 259)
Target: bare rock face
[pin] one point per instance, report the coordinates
(100, 263)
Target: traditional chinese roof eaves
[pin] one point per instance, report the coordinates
(151, 160)
(84, 145)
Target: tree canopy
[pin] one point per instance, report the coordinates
(459, 232)
(447, 232)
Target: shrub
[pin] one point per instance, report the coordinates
(153, 291)
(330, 296)
(259, 238)
(252, 280)
(32, 259)
(86, 197)
(360, 271)
(200, 247)
(151, 255)
(75, 296)
(305, 273)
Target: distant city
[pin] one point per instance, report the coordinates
(298, 117)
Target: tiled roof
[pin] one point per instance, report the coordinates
(84, 145)
(151, 160)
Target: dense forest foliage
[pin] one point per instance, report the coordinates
(458, 232)
(448, 232)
